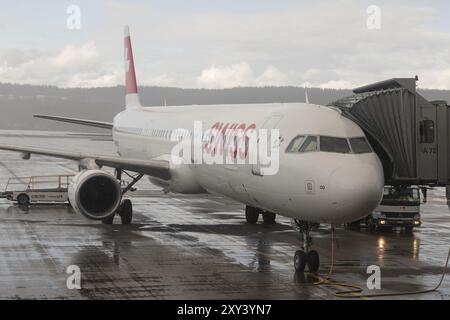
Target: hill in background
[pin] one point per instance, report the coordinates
(18, 103)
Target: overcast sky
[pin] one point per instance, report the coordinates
(226, 43)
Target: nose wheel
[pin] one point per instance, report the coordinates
(305, 257)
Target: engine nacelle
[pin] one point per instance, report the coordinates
(95, 193)
(182, 181)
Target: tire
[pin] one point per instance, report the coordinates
(299, 261)
(251, 215)
(126, 211)
(370, 225)
(109, 220)
(269, 217)
(313, 261)
(409, 230)
(23, 199)
(385, 229)
(355, 224)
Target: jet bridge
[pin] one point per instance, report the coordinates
(410, 134)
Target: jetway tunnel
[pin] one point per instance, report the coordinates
(409, 133)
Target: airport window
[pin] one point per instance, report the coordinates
(426, 129)
(309, 145)
(295, 144)
(360, 145)
(333, 144)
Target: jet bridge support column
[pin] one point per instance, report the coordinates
(447, 194)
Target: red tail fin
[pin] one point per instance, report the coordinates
(131, 92)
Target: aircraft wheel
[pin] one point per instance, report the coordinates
(269, 217)
(23, 199)
(313, 261)
(251, 214)
(108, 220)
(299, 261)
(126, 211)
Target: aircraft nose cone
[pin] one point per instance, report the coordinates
(356, 190)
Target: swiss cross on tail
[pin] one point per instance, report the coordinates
(131, 93)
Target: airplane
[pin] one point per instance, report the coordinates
(327, 173)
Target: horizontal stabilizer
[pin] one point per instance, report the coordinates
(83, 122)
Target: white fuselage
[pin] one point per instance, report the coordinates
(313, 186)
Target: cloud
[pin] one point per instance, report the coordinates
(72, 66)
(435, 79)
(337, 84)
(324, 44)
(239, 75)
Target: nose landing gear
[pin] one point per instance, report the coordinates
(306, 257)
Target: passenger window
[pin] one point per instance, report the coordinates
(360, 145)
(426, 128)
(332, 144)
(295, 144)
(310, 144)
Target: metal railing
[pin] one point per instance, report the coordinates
(39, 182)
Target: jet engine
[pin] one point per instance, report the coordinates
(95, 193)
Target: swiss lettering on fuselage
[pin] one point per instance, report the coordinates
(229, 137)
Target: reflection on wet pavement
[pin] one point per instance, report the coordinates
(194, 247)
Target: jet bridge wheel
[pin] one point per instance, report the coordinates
(126, 211)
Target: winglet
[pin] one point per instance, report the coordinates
(131, 92)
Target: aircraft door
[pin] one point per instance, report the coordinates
(270, 123)
(427, 152)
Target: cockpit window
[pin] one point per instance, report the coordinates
(333, 144)
(360, 145)
(304, 143)
(295, 144)
(310, 144)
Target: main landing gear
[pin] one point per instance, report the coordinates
(306, 257)
(252, 215)
(125, 210)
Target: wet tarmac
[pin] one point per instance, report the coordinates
(194, 247)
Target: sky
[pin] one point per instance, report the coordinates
(226, 43)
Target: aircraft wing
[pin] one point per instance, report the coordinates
(84, 122)
(155, 168)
